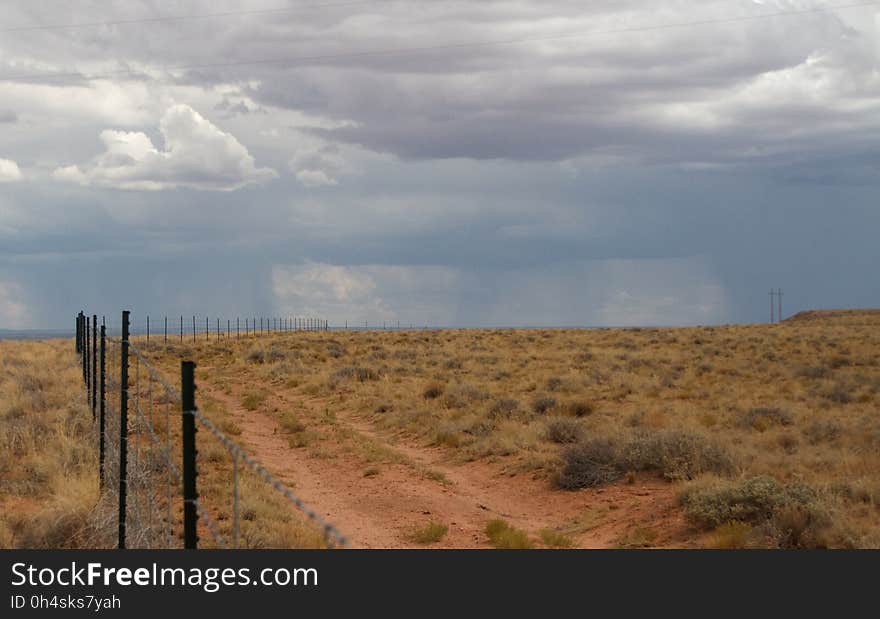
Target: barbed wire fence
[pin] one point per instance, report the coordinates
(141, 440)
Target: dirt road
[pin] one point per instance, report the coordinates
(420, 485)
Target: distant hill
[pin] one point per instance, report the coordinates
(837, 316)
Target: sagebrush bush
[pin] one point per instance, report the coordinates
(543, 404)
(272, 354)
(675, 454)
(503, 408)
(588, 464)
(580, 408)
(461, 395)
(754, 501)
(353, 372)
(433, 390)
(762, 417)
(814, 372)
(564, 430)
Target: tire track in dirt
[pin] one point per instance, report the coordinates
(378, 511)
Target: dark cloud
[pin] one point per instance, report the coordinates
(662, 175)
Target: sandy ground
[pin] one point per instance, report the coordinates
(378, 511)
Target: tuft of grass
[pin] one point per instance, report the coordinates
(253, 400)
(640, 537)
(230, 427)
(555, 539)
(435, 475)
(290, 424)
(731, 535)
(372, 471)
(502, 535)
(427, 534)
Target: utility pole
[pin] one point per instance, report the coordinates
(771, 305)
(779, 299)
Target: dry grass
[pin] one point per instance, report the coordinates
(709, 408)
(48, 464)
(793, 402)
(502, 535)
(427, 534)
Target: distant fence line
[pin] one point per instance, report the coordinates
(237, 329)
(191, 327)
(145, 493)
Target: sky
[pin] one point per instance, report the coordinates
(469, 163)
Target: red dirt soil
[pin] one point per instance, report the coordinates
(379, 511)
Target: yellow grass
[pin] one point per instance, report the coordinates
(796, 403)
(48, 463)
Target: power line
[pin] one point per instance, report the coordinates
(174, 18)
(443, 47)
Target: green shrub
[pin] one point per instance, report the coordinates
(676, 454)
(788, 510)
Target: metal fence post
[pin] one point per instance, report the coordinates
(102, 405)
(85, 355)
(123, 429)
(94, 365)
(89, 337)
(190, 495)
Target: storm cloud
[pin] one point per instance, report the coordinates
(460, 163)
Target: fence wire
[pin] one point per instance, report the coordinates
(154, 484)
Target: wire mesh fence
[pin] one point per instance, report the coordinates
(150, 459)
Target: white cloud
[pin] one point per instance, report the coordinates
(366, 292)
(13, 313)
(9, 171)
(197, 155)
(319, 166)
